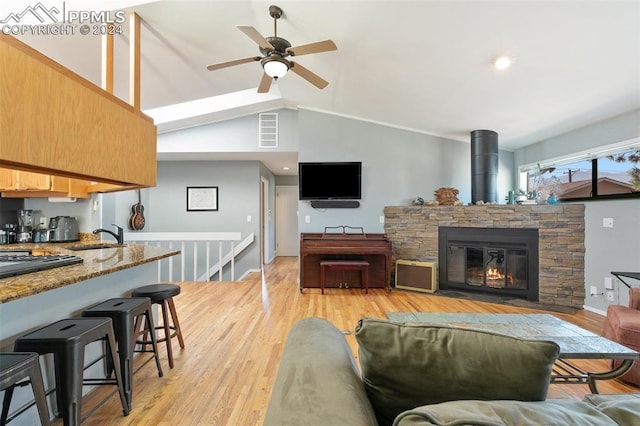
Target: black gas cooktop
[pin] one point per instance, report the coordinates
(11, 265)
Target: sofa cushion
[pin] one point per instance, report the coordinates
(623, 408)
(318, 381)
(500, 413)
(405, 365)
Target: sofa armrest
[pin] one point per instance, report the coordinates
(318, 381)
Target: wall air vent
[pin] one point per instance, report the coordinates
(268, 130)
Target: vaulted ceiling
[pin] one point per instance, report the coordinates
(422, 65)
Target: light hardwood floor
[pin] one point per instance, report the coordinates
(235, 332)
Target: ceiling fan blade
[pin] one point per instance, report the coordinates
(265, 83)
(317, 47)
(254, 35)
(232, 63)
(308, 75)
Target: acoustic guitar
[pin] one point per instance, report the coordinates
(136, 219)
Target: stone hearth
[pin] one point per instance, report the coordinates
(413, 231)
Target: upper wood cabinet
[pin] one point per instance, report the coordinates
(20, 184)
(54, 122)
(8, 180)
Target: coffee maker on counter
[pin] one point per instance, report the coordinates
(65, 228)
(25, 226)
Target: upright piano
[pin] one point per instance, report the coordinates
(374, 248)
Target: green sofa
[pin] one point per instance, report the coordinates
(418, 374)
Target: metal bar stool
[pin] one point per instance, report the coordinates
(124, 312)
(163, 294)
(16, 366)
(66, 340)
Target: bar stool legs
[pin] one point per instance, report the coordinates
(124, 312)
(163, 294)
(16, 366)
(171, 331)
(67, 340)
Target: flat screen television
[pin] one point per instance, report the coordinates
(330, 181)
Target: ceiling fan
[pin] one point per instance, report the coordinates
(275, 51)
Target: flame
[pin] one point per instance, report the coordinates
(494, 274)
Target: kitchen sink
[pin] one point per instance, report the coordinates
(95, 246)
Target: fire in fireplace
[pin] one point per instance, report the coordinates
(489, 260)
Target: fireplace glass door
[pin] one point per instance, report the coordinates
(492, 267)
(489, 260)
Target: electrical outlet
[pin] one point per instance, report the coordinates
(593, 290)
(307, 219)
(607, 222)
(610, 296)
(381, 219)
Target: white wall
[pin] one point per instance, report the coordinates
(238, 185)
(236, 135)
(397, 166)
(625, 127)
(611, 249)
(82, 209)
(606, 249)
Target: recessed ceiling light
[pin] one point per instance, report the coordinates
(285, 168)
(503, 62)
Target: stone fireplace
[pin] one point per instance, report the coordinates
(414, 233)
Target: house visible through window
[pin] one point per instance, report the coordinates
(616, 174)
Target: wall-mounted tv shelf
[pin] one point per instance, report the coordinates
(335, 204)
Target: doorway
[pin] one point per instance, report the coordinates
(287, 242)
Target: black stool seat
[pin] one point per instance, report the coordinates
(123, 312)
(66, 340)
(14, 367)
(157, 292)
(163, 294)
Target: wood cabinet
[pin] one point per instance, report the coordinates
(8, 180)
(11, 180)
(55, 123)
(21, 184)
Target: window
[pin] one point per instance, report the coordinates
(619, 173)
(613, 175)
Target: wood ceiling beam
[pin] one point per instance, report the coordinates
(134, 62)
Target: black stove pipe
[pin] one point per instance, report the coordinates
(484, 166)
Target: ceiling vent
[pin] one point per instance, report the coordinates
(268, 130)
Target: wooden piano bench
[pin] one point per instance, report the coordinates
(345, 265)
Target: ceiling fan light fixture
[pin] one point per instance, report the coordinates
(275, 66)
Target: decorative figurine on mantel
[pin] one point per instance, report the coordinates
(418, 201)
(446, 196)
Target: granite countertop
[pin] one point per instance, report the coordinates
(96, 262)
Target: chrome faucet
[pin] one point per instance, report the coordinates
(119, 236)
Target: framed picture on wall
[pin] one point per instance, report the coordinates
(202, 198)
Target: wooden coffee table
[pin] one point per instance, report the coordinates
(575, 342)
